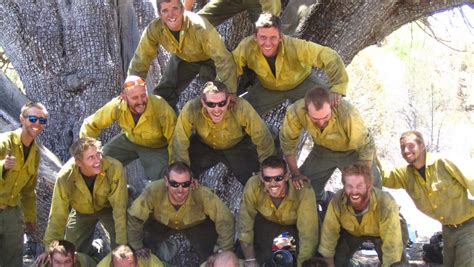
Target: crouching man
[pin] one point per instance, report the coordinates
(357, 213)
(173, 207)
(272, 205)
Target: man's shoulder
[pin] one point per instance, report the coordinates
(67, 170)
(158, 104)
(248, 44)
(192, 107)
(298, 108)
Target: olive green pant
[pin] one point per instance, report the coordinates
(348, 244)
(241, 159)
(11, 237)
(153, 160)
(264, 100)
(179, 74)
(217, 11)
(322, 162)
(80, 228)
(203, 237)
(458, 244)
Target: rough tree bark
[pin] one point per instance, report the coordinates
(73, 55)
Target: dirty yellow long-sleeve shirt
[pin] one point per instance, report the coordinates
(381, 220)
(198, 41)
(442, 196)
(154, 128)
(294, 62)
(297, 208)
(345, 131)
(200, 204)
(242, 120)
(71, 191)
(18, 184)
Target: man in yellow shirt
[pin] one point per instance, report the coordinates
(237, 137)
(90, 188)
(439, 189)
(270, 206)
(284, 66)
(218, 11)
(147, 122)
(196, 48)
(19, 161)
(358, 213)
(170, 206)
(339, 134)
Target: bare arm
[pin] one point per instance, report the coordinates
(249, 253)
(296, 176)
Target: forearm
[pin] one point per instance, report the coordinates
(248, 250)
(291, 160)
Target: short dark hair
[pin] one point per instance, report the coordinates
(159, 2)
(418, 137)
(358, 168)
(62, 247)
(317, 96)
(268, 20)
(178, 167)
(275, 163)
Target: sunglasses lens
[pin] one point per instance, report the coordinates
(268, 179)
(43, 120)
(218, 104)
(176, 184)
(32, 119)
(133, 83)
(211, 104)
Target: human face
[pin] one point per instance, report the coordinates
(59, 260)
(275, 189)
(89, 165)
(216, 113)
(125, 262)
(320, 117)
(137, 98)
(31, 130)
(172, 14)
(177, 195)
(412, 152)
(357, 191)
(268, 40)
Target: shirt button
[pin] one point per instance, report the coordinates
(441, 218)
(435, 206)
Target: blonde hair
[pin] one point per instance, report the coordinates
(82, 144)
(27, 106)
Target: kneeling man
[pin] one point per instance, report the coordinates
(271, 205)
(90, 188)
(357, 213)
(173, 207)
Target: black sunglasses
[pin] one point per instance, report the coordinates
(176, 184)
(218, 104)
(33, 119)
(277, 178)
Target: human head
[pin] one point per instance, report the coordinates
(317, 104)
(171, 13)
(412, 148)
(268, 34)
(226, 259)
(272, 169)
(62, 253)
(178, 180)
(357, 179)
(33, 118)
(135, 94)
(123, 256)
(214, 98)
(87, 154)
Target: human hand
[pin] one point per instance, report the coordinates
(143, 253)
(42, 259)
(9, 161)
(334, 99)
(30, 228)
(299, 181)
(195, 184)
